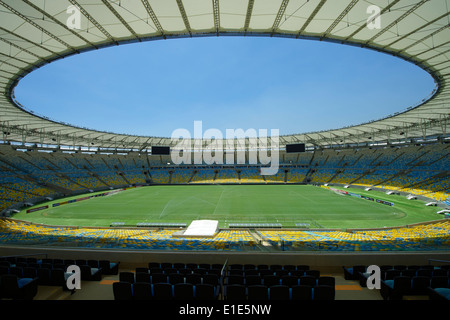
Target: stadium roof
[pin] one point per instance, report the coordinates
(36, 32)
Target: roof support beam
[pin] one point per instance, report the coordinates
(65, 44)
(8, 72)
(154, 18)
(403, 16)
(59, 23)
(311, 17)
(216, 12)
(23, 50)
(280, 14)
(29, 41)
(339, 18)
(119, 17)
(385, 9)
(184, 16)
(418, 29)
(248, 16)
(11, 57)
(443, 124)
(10, 64)
(440, 63)
(425, 38)
(93, 21)
(439, 54)
(433, 48)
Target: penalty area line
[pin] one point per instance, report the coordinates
(164, 209)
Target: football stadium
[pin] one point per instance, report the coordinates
(359, 212)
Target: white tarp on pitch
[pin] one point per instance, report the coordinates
(202, 228)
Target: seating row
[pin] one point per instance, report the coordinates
(164, 291)
(276, 272)
(183, 271)
(401, 286)
(352, 273)
(278, 292)
(234, 266)
(388, 272)
(288, 280)
(187, 291)
(55, 276)
(397, 281)
(180, 265)
(273, 267)
(172, 278)
(229, 268)
(108, 267)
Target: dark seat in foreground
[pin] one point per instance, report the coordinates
(13, 287)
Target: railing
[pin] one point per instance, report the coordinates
(436, 260)
(222, 275)
(26, 255)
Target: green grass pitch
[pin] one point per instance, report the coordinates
(285, 204)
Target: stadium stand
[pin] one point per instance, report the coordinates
(172, 281)
(16, 232)
(21, 276)
(43, 159)
(276, 282)
(32, 176)
(407, 168)
(431, 236)
(423, 237)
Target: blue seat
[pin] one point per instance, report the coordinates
(4, 269)
(439, 282)
(253, 280)
(257, 292)
(175, 278)
(158, 278)
(326, 280)
(301, 292)
(162, 291)
(394, 289)
(290, 281)
(279, 292)
(126, 276)
(314, 273)
(206, 291)
(29, 272)
(235, 279)
(308, 280)
(193, 278)
(108, 267)
(271, 280)
(440, 294)
(235, 292)
(420, 284)
(142, 291)
(183, 291)
(90, 274)
(13, 287)
(352, 273)
(142, 277)
(323, 292)
(44, 276)
(58, 277)
(122, 290)
(210, 278)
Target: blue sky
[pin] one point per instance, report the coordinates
(155, 87)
